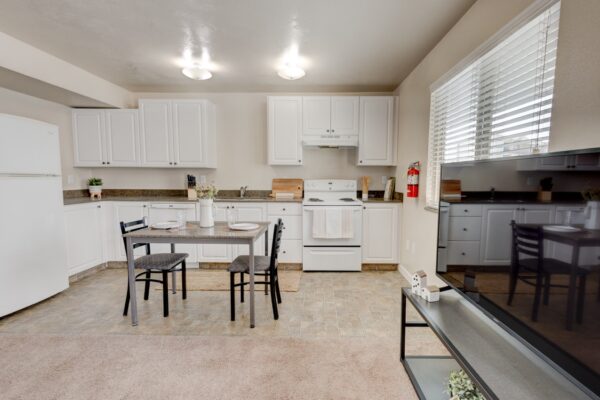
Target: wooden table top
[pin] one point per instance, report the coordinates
(193, 230)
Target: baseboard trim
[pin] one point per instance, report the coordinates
(405, 273)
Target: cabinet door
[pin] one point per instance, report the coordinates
(285, 130)
(122, 138)
(88, 138)
(169, 212)
(217, 252)
(380, 233)
(316, 115)
(125, 212)
(189, 134)
(496, 237)
(553, 163)
(155, 133)
(585, 162)
(251, 212)
(83, 229)
(344, 115)
(376, 133)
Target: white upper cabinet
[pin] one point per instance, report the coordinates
(156, 135)
(581, 162)
(344, 115)
(122, 138)
(316, 116)
(376, 133)
(178, 133)
(330, 116)
(284, 130)
(106, 138)
(88, 137)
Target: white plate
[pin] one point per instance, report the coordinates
(243, 226)
(165, 225)
(561, 228)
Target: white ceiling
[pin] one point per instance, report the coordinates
(347, 45)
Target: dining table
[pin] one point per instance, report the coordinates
(193, 233)
(577, 238)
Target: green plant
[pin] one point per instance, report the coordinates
(461, 386)
(207, 191)
(546, 184)
(95, 181)
(591, 194)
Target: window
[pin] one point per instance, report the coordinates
(499, 102)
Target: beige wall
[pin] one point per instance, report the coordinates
(31, 107)
(242, 152)
(576, 116)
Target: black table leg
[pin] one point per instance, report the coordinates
(572, 288)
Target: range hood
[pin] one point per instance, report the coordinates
(331, 141)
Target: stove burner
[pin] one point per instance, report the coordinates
(314, 199)
(346, 199)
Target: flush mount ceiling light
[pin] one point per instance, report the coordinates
(197, 72)
(291, 72)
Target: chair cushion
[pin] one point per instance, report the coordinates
(241, 264)
(160, 261)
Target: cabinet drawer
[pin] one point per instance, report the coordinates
(292, 226)
(465, 210)
(284, 209)
(464, 228)
(290, 251)
(463, 253)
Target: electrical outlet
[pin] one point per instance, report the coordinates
(384, 179)
(407, 244)
(413, 247)
(70, 179)
(202, 180)
(530, 181)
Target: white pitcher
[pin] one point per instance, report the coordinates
(592, 215)
(207, 218)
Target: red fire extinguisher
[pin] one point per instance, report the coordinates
(412, 179)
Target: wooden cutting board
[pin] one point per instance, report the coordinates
(450, 188)
(295, 186)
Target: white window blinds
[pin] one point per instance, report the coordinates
(500, 104)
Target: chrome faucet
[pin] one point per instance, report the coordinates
(492, 193)
(243, 191)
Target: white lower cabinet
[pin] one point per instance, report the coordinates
(126, 211)
(291, 238)
(84, 236)
(160, 212)
(217, 253)
(380, 233)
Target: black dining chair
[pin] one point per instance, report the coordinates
(159, 263)
(263, 265)
(531, 266)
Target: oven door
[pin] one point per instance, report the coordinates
(307, 228)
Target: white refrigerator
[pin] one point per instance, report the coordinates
(33, 262)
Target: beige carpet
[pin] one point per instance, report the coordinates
(218, 280)
(193, 367)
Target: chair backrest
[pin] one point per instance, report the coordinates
(133, 226)
(276, 244)
(527, 240)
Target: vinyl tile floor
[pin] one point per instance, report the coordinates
(365, 304)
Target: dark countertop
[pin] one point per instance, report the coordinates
(513, 201)
(516, 198)
(380, 200)
(174, 199)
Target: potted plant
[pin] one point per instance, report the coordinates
(545, 193)
(206, 196)
(95, 187)
(460, 387)
(592, 209)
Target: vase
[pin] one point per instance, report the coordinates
(207, 219)
(592, 215)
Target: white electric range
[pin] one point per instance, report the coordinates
(331, 254)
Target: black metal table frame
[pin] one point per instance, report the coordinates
(487, 392)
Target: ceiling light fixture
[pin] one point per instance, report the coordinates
(291, 72)
(197, 72)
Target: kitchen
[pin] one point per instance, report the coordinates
(163, 166)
